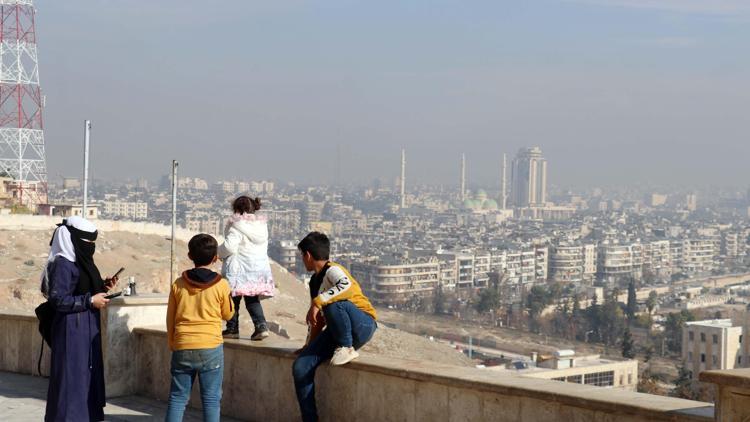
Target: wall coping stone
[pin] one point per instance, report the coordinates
(582, 396)
(146, 299)
(21, 316)
(739, 378)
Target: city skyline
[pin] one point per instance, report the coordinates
(606, 106)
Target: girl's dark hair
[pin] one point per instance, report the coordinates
(246, 205)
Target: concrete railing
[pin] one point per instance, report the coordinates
(258, 383)
(258, 386)
(20, 345)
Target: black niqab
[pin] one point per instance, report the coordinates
(90, 280)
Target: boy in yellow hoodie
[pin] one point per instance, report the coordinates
(337, 302)
(198, 302)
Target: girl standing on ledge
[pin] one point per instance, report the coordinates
(246, 264)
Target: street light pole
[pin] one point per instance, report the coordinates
(174, 221)
(86, 139)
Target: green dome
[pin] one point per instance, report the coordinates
(470, 204)
(490, 204)
(481, 195)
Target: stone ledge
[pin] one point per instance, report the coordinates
(20, 316)
(646, 406)
(739, 378)
(148, 299)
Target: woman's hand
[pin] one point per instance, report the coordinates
(110, 283)
(98, 300)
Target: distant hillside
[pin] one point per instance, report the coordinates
(146, 257)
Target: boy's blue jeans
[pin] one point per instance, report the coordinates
(346, 325)
(208, 366)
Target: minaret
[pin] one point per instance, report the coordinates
(463, 177)
(504, 186)
(403, 178)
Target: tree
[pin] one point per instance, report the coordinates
(537, 299)
(438, 301)
(628, 345)
(652, 301)
(489, 300)
(632, 305)
(649, 354)
(683, 385)
(673, 329)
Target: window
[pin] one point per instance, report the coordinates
(714, 360)
(703, 357)
(622, 379)
(600, 379)
(574, 379)
(690, 335)
(690, 355)
(558, 379)
(703, 337)
(715, 339)
(630, 379)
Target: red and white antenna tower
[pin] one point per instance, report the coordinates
(22, 155)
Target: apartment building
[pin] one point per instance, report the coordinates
(698, 255)
(285, 253)
(125, 209)
(711, 344)
(566, 263)
(657, 259)
(618, 261)
(392, 282)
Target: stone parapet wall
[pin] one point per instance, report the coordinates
(258, 386)
(20, 344)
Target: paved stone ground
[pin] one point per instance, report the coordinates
(22, 399)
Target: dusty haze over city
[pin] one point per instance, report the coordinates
(614, 92)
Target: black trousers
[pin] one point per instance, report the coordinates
(252, 303)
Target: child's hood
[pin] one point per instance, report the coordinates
(252, 226)
(200, 278)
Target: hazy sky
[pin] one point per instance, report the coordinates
(613, 91)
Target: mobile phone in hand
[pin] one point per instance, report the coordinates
(119, 272)
(113, 295)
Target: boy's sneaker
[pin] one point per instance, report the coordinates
(343, 355)
(230, 333)
(260, 333)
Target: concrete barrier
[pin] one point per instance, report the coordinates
(258, 386)
(20, 345)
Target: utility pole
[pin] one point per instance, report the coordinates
(174, 221)
(86, 139)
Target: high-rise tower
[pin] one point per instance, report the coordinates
(529, 178)
(22, 156)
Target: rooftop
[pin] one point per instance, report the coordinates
(723, 323)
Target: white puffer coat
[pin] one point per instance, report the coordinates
(245, 256)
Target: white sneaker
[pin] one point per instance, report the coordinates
(343, 355)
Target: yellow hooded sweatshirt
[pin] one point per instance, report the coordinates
(198, 301)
